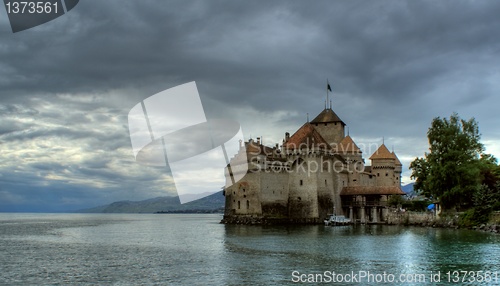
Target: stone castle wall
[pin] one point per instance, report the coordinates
(243, 198)
(303, 185)
(274, 194)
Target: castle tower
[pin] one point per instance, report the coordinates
(310, 188)
(353, 158)
(329, 126)
(398, 170)
(349, 150)
(383, 166)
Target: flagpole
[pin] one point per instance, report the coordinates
(328, 88)
(327, 92)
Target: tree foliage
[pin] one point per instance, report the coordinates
(451, 171)
(485, 200)
(395, 200)
(489, 171)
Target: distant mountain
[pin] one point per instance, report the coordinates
(408, 189)
(212, 203)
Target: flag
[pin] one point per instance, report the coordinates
(328, 86)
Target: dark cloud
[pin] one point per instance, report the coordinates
(66, 86)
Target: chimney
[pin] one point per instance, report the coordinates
(258, 140)
(287, 136)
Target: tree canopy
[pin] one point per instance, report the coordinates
(455, 168)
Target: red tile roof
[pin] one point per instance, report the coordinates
(347, 145)
(307, 137)
(382, 153)
(396, 159)
(255, 149)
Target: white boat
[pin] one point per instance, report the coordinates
(337, 220)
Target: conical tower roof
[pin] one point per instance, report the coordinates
(382, 153)
(306, 137)
(327, 116)
(396, 159)
(348, 145)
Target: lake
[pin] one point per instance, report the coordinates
(194, 249)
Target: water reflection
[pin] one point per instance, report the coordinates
(196, 249)
(376, 248)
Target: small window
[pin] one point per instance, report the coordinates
(301, 182)
(386, 174)
(299, 198)
(325, 124)
(378, 174)
(238, 204)
(354, 180)
(325, 183)
(248, 204)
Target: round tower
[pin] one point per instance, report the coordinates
(384, 166)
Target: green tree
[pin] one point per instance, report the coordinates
(489, 171)
(450, 172)
(395, 200)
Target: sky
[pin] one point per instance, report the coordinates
(67, 86)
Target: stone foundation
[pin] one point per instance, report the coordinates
(254, 220)
(428, 219)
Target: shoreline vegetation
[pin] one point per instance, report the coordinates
(454, 220)
(457, 175)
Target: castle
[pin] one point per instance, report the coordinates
(315, 172)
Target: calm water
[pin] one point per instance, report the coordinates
(61, 249)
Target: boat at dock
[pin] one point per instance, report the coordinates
(334, 220)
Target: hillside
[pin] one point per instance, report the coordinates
(210, 203)
(408, 189)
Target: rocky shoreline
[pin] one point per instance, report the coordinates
(445, 221)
